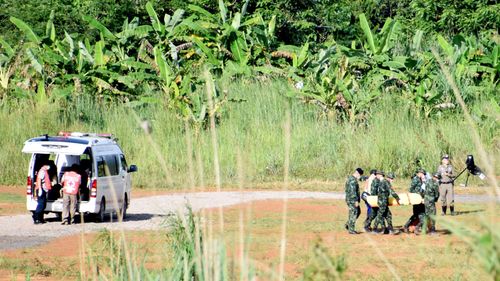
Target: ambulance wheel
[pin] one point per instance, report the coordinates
(101, 216)
(123, 210)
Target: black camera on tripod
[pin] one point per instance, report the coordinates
(471, 168)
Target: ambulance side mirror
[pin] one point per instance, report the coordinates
(132, 168)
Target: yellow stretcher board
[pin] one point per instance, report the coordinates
(404, 199)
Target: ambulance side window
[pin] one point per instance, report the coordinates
(123, 162)
(101, 167)
(112, 165)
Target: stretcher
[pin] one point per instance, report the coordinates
(404, 199)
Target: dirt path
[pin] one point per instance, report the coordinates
(18, 231)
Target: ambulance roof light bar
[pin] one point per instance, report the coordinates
(79, 134)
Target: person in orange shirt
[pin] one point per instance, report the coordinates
(42, 187)
(70, 181)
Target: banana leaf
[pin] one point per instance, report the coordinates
(51, 58)
(271, 26)
(126, 80)
(155, 22)
(368, 33)
(50, 30)
(244, 8)
(447, 48)
(71, 44)
(302, 57)
(202, 11)
(99, 54)
(388, 34)
(194, 25)
(8, 49)
(236, 21)
(34, 61)
(417, 40)
(211, 58)
(394, 64)
(176, 19)
(138, 32)
(85, 53)
(165, 73)
(99, 26)
(222, 10)
(239, 49)
(26, 30)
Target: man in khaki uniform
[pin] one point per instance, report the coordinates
(446, 192)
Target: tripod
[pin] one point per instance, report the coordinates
(459, 174)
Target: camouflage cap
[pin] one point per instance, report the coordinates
(420, 170)
(380, 172)
(373, 172)
(391, 175)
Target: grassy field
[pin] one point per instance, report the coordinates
(321, 149)
(12, 200)
(315, 237)
(252, 149)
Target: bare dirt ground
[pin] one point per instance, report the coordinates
(144, 213)
(150, 212)
(309, 220)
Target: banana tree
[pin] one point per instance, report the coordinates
(473, 65)
(233, 43)
(334, 88)
(7, 60)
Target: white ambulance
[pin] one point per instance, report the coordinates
(106, 181)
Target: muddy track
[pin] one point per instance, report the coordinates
(149, 213)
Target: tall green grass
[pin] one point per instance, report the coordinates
(394, 138)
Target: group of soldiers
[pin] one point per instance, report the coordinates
(440, 184)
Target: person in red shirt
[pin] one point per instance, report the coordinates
(70, 181)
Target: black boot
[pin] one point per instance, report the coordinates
(444, 211)
(452, 210)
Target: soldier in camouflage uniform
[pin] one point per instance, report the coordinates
(352, 199)
(431, 196)
(372, 188)
(384, 213)
(446, 191)
(416, 187)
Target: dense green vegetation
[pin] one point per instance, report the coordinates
(393, 138)
(344, 68)
(298, 22)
